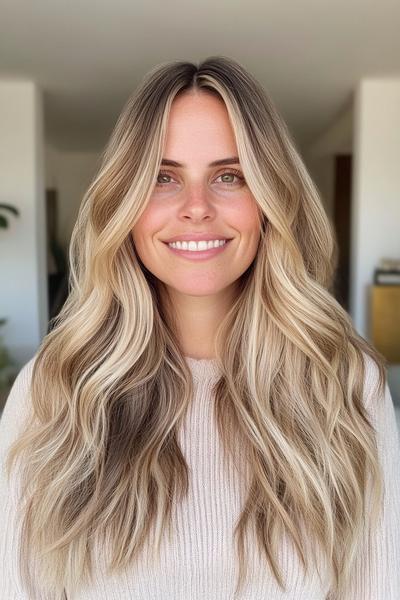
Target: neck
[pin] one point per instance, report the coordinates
(196, 320)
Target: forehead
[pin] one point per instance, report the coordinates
(199, 125)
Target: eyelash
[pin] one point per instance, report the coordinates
(238, 174)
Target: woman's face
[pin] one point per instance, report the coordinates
(195, 200)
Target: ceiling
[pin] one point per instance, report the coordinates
(88, 56)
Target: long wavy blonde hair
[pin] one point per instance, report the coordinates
(110, 384)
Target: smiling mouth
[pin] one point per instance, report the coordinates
(193, 245)
(195, 253)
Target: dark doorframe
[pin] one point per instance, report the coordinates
(342, 223)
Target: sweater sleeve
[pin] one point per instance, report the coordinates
(11, 423)
(376, 573)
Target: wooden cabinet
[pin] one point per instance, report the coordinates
(385, 321)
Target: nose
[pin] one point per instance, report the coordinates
(197, 203)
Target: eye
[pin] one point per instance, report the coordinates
(162, 175)
(232, 174)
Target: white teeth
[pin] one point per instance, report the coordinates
(197, 246)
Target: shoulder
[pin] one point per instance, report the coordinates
(380, 407)
(23, 379)
(375, 382)
(21, 385)
(17, 405)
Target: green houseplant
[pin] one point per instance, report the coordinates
(7, 365)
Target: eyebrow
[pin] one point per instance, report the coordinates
(233, 160)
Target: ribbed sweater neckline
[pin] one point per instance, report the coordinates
(203, 368)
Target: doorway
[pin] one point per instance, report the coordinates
(342, 224)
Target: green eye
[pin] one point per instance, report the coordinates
(228, 175)
(232, 174)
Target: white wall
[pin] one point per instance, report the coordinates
(376, 188)
(23, 259)
(376, 196)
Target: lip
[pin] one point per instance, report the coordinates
(196, 237)
(200, 254)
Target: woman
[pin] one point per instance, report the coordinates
(203, 421)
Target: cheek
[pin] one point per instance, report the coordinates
(246, 217)
(146, 227)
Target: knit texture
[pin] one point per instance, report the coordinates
(199, 561)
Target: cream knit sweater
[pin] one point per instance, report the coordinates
(199, 562)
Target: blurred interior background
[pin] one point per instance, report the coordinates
(66, 70)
